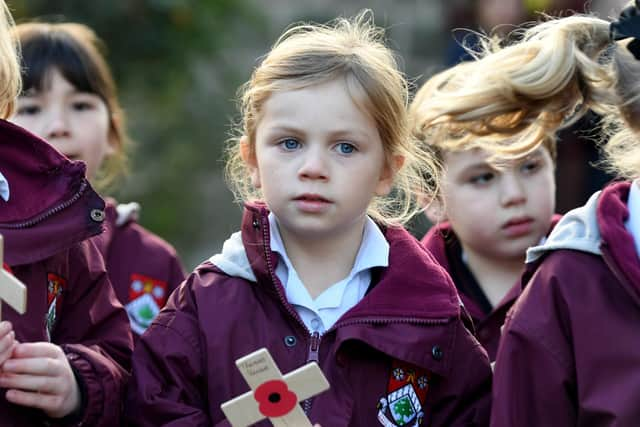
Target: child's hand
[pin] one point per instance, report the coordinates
(38, 375)
(7, 342)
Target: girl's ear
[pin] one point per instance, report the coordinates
(385, 183)
(248, 155)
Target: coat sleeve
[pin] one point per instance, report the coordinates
(534, 384)
(466, 394)
(167, 386)
(93, 330)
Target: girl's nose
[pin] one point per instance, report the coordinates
(58, 126)
(513, 191)
(313, 166)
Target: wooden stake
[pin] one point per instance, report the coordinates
(12, 290)
(271, 393)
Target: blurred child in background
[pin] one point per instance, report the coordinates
(69, 98)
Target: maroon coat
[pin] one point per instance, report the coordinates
(143, 268)
(570, 354)
(443, 243)
(50, 214)
(410, 319)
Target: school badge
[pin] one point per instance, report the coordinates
(406, 394)
(55, 288)
(146, 297)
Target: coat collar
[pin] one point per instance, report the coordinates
(51, 204)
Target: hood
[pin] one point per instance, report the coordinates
(233, 259)
(576, 230)
(127, 212)
(50, 204)
(415, 283)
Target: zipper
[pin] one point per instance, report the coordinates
(316, 337)
(50, 212)
(314, 347)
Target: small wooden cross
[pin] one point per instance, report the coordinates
(272, 395)
(12, 290)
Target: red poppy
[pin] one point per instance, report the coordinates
(275, 398)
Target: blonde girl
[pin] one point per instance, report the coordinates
(321, 270)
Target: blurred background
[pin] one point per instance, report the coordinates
(178, 64)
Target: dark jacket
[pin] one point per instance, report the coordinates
(408, 323)
(46, 223)
(143, 268)
(569, 355)
(443, 243)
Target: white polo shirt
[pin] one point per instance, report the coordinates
(320, 314)
(4, 188)
(633, 222)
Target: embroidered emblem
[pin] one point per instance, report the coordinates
(146, 297)
(55, 288)
(406, 394)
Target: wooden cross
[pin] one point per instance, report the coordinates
(272, 395)
(12, 290)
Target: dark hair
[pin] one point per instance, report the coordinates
(77, 53)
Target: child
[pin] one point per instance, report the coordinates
(493, 213)
(70, 100)
(320, 271)
(65, 361)
(569, 356)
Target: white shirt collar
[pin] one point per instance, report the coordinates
(4, 188)
(341, 296)
(633, 205)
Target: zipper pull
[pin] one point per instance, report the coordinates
(314, 346)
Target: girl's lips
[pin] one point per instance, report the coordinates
(312, 203)
(518, 227)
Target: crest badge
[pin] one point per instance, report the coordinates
(406, 393)
(146, 297)
(55, 288)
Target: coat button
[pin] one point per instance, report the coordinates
(97, 215)
(436, 352)
(290, 340)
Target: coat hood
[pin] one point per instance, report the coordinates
(49, 205)
(577, 230)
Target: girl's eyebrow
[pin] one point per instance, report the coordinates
(338, 133)
(477, 166)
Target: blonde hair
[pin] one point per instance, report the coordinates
(11, 85)
(352, 49)
(514, 98)
(622, 129)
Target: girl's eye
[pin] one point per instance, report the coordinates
(530, 167)
(290, 144)
(346, 148)
(482, 179)
(82, 106)
(28, 110)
